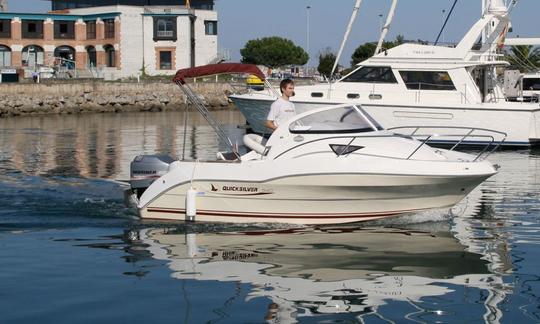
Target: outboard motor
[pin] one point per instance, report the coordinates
(145, 169)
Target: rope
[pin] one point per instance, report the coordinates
(446, 21)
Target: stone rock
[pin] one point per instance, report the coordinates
(102, 100)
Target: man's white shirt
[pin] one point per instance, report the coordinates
(281, 111)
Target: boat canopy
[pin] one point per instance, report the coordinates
(213, 69)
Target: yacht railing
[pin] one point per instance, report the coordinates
(494, 138)
(461, 139)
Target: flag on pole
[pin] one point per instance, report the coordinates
(502, 36)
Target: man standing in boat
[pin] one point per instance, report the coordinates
(282, 109)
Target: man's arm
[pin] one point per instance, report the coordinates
(270, 124)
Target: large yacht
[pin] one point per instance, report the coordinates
(415, 84)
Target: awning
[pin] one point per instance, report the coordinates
(213, 69)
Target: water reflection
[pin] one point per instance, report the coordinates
(337, 270)
(480, 264)
(103, 145)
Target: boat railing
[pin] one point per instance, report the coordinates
(494, 141)
(490, 140)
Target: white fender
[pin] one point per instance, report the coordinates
(253, 141)
(191, 205)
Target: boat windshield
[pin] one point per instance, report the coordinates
(342, 119)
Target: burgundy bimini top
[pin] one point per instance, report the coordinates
(213, 69)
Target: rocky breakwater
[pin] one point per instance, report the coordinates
(100, 96)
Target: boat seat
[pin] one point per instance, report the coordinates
(254, 142)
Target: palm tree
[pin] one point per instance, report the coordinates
(524, 57)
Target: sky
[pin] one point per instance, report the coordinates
(243, 20)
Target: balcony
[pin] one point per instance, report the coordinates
(165, 33)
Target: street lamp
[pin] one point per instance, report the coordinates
(307, 40)
(442, 36)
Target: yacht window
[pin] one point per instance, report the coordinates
(344, 149)
(427, 80)
(317, 94)
(531, 84)
(372, 74)
(353, 96)
(342, 119)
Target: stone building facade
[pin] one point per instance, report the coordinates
(116, 41)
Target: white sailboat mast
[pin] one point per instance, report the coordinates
(386, 27)
(349, 27)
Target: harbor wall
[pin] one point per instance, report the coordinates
(98, 96)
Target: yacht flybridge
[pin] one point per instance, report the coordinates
(425, 85)
(327, 165)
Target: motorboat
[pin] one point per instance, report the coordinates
(427, 85)
(327, 165)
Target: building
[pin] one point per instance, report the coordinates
(111, 38)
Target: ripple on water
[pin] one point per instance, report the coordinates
(45, 202)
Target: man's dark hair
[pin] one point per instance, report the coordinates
(284, 83)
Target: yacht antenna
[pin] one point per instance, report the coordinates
(386, 26)
(446, 21)
(346, 36)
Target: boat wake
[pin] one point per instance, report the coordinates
(37, 202)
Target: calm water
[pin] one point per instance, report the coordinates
(71, 252)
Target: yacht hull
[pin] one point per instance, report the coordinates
(312, 199)
(521, 125)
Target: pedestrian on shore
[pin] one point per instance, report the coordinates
(282, 109)
(35, 76)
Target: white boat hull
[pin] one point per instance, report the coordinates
(311, 198)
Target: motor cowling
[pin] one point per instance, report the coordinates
(145, 169)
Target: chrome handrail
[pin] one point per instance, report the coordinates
(463, 137)
(423, 142)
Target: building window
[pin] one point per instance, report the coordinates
(210, 27)
(110, 56)
(165, 60)
(5, 56)
(372, 74)
(427, 80)
(164, 28)
(32, 56)
(32, 29)
(65, 56)
(5, 28)
(109, 28)
(64, 29)
(92, 56)
(91, 29)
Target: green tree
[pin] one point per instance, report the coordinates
(365, 51)
(273, 52)
(524, 57)
(326, 62)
